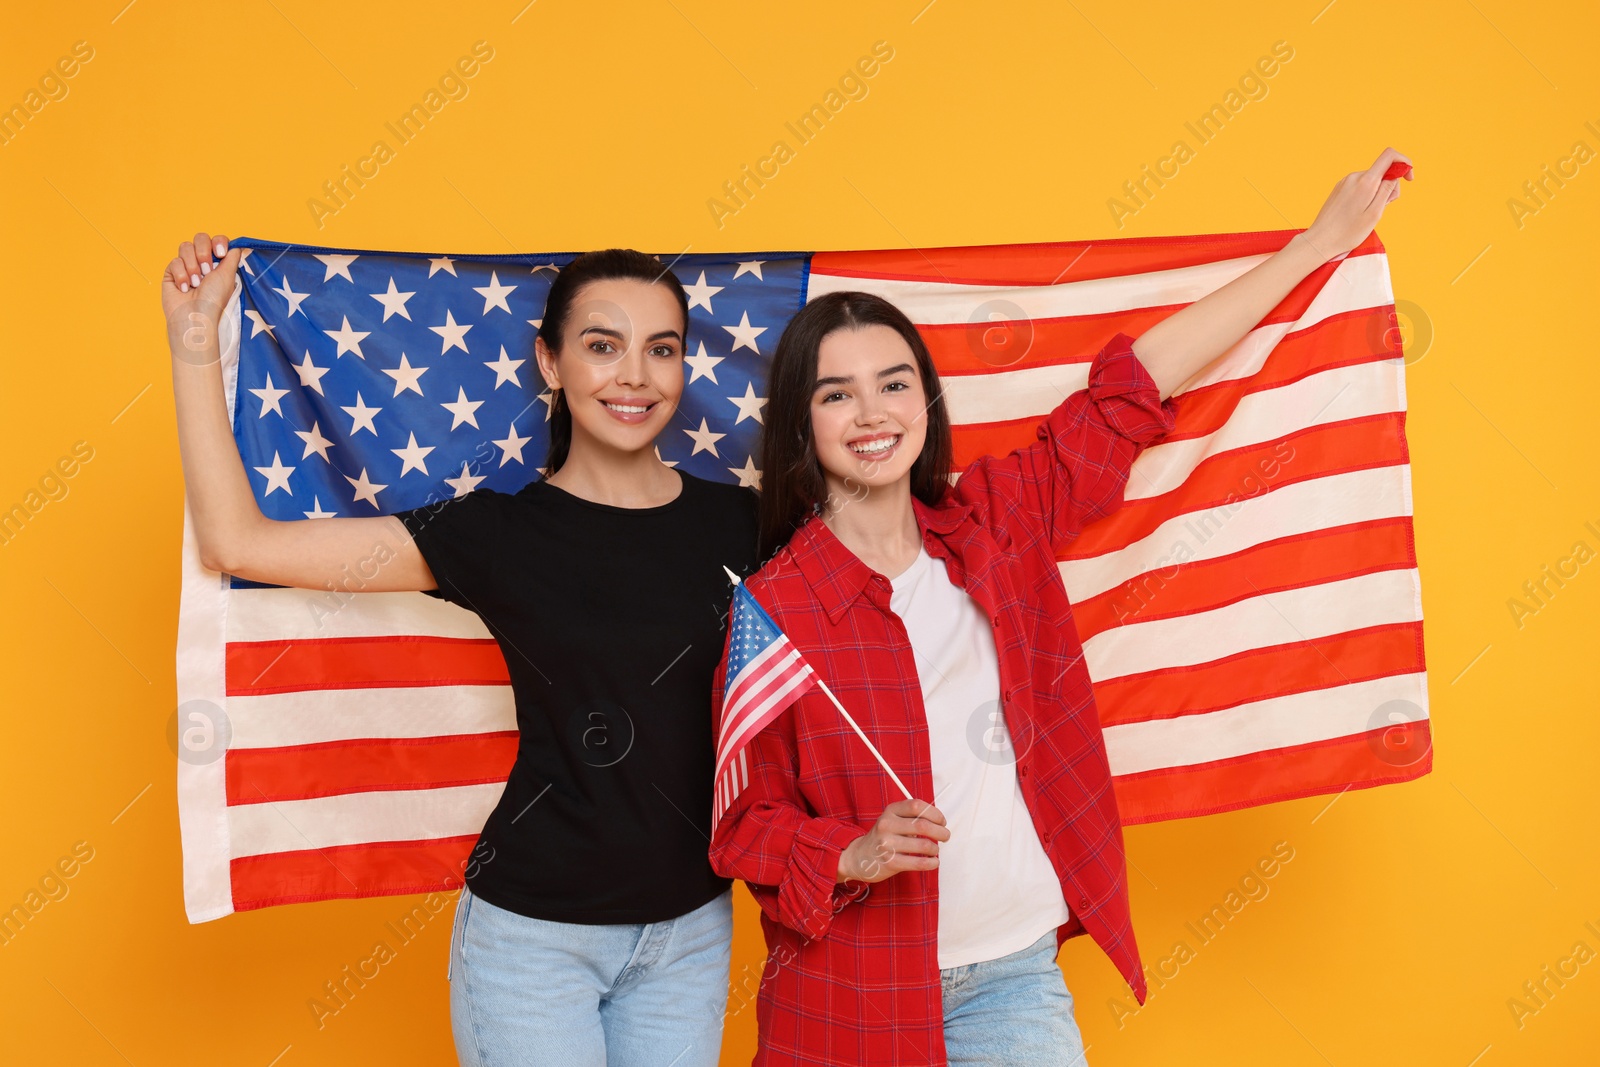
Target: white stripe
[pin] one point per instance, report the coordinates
(1301, 507)
(1376, 599)
(314, 716)
(1334, 395)
(744, 770)
(359, 818)
(1032, 392)
(309, 614)
(202, 787)
(1297, 719)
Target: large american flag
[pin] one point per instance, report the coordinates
(1251, 615)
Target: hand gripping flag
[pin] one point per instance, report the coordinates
(1250, 615)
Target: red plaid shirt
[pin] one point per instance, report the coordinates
(852, 974)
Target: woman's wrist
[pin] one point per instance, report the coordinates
(194, 341)
(846, 868)
(1311, 248)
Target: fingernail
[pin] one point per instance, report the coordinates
(194, 279)
(221, 251)
(205, 268)
(183, 287)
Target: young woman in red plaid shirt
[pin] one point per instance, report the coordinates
(937, 617)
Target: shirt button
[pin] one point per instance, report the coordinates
(1023, 772)
(1083, 903)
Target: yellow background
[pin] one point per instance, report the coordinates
(1409, 915)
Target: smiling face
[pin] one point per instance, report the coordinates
(620, 367)
(868, 410)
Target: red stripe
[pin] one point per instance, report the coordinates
(331, 768)
(1261, 674)
(1312, 558)
(383, 869)
(1050, 263)
(1279, 774)
(256, 668)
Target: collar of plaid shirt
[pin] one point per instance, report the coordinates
(852, 972)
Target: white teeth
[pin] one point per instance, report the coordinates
(625, 408)
(882, 444)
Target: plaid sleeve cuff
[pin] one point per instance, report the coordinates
(1126, 395)
(812, 893)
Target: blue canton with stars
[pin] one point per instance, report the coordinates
(372, 382)
(753, 633)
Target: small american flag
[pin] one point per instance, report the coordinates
(765, 675)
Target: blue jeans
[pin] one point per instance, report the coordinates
(1014, 1010)
(534, 991)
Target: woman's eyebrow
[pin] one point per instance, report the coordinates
(609, 332)
(847, 379)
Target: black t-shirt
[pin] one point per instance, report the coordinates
(611, 622)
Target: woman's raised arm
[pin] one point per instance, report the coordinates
(1177, 347)
(233, 535)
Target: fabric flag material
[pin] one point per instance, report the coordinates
(765, 675)
(1251, 614)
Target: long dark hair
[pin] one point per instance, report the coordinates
(792, 484)
(600, 265)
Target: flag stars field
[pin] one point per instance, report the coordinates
(325, 305)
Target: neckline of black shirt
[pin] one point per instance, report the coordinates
(614, 509)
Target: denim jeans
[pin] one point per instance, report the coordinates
(535, 991)
(1014, 1010)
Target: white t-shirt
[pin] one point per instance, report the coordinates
(998, 893)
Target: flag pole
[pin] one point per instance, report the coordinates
(869, 744)
(848, 718)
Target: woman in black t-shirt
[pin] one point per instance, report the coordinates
(591, 927)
